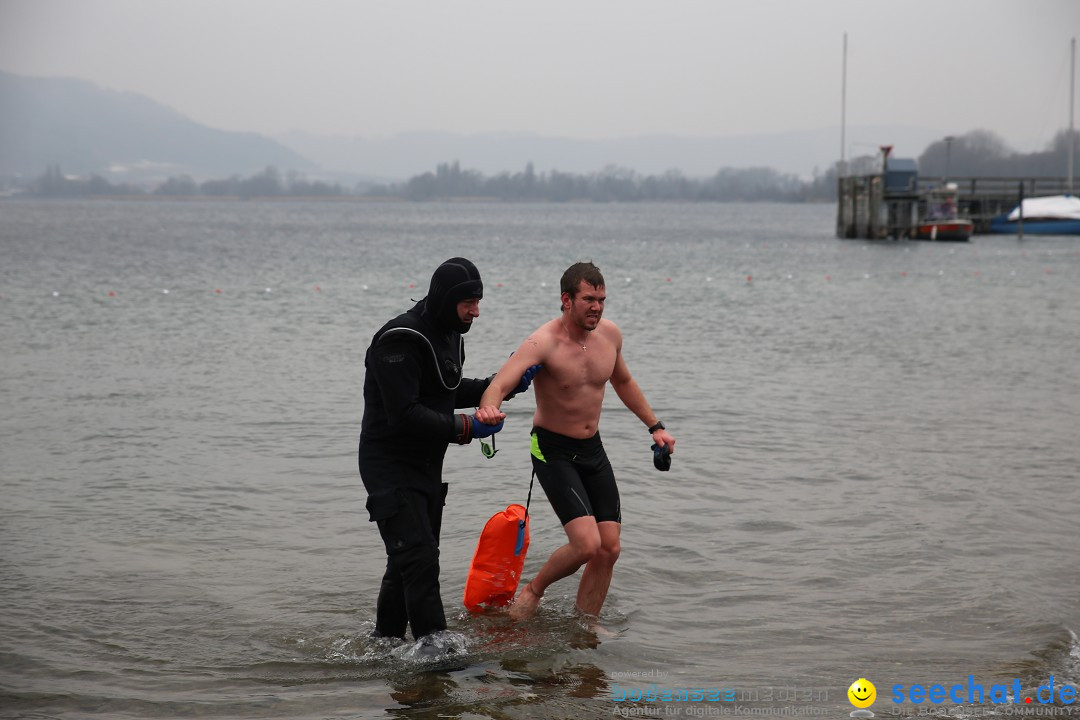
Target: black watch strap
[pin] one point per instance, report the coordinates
(658, 426)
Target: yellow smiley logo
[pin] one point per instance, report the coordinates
(862, 693)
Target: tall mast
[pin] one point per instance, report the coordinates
(1072, 97)
(843, 113)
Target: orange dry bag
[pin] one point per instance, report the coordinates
(498, 560)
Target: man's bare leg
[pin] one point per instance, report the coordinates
(584, 543)
(595, 581)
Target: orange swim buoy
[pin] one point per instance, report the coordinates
(498, 560)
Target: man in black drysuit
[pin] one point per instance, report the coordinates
(412, 386)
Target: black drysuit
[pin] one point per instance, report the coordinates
(412, 386)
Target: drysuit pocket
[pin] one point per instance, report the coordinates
(382, 505)
(400, 526)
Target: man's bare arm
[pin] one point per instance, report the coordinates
(633, 398)
(531, 352)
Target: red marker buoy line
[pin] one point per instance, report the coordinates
(943, 274)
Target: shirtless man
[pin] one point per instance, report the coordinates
(580, 352)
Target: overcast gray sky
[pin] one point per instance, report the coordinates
(569, 68)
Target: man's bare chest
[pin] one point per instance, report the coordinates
(574, 367)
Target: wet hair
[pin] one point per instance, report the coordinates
(571, 279)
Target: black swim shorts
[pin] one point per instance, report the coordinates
(576, 476)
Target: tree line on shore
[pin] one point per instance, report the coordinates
(981, 153)
(267, 183)
(978, 153)
(612, 184)
(450, 181)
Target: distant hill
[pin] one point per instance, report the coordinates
(87, 129)
(127, 137)
(796, 153)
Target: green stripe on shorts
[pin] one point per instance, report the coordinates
(534, 447)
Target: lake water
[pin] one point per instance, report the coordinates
(876, 476)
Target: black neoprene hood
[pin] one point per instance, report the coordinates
(455, 280)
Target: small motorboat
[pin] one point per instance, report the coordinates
(941, 221)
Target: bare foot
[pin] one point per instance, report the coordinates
(525, 605)
(599, 630)
(592, 622)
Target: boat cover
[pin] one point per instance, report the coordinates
(1064, 207)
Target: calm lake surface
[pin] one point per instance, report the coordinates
(876, 477)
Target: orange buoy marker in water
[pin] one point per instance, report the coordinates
(499, 558)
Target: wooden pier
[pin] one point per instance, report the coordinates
(890, 205)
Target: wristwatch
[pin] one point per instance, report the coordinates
(658, 426)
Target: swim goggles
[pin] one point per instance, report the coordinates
(488, 450)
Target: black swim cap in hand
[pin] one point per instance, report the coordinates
(661, 457)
